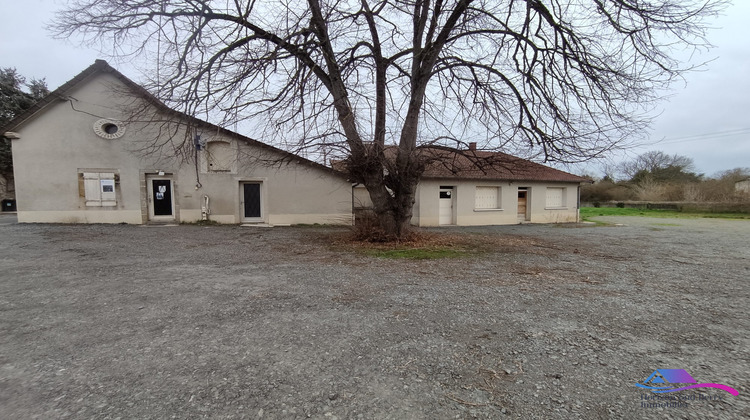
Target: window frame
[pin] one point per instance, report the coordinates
(94, 185)
(221, 149)
(562, 201)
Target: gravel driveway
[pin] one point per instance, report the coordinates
(192, 322)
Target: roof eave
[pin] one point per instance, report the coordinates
(57, 94)
(101, 66)
(571, 181)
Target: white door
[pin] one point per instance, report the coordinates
(446, 206)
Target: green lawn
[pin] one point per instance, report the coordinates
(588, 212)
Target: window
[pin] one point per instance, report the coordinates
(555, 197)
(109, 129)
(99, 189)
(221, 156)
(487, 198)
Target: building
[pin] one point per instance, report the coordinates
(474, 188)
(80, 156)
(742, 186)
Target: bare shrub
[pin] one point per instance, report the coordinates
(649, 190)
(622, 193)
(692, 192)
(606, 191)
(674, 192)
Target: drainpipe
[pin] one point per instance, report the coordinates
(205, 210)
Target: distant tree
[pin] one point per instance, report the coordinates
(670, 174)
(733, 175)
(16, 96)
(608, 178)
(659, 167)
(609, 171)
(588, 175)
(654, 161)
(381, 83)
(606, 190)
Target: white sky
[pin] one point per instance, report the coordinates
(706, 119)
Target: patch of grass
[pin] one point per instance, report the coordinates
(589, 212)
(666, 224)
(599, 222)
(417, 253)
(738, 216)
(422, 245)
(202, 223)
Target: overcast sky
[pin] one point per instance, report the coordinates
(707, 118)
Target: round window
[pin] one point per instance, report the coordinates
(109, 129)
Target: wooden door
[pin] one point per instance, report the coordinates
(522, 205)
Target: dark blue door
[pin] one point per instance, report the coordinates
(252, 200)
(162, 196)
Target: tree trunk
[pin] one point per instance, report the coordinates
(393, 198)
(394, 214)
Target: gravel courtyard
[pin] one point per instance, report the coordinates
(189, 322)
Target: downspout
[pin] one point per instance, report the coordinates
(205, 209)
(197, 144)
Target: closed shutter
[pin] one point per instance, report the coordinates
(486, 198)
(555, 197)
(92, 188)
(99, 189)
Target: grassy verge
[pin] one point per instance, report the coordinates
(589, 212)
(417, 253)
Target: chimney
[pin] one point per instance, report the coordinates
(473, 146)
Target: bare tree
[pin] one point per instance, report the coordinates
(654, 162)
(378, 83)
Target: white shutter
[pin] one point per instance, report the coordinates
(555, 197)
(92, 189)
(486, 198)
(107, 185)
(99, 189)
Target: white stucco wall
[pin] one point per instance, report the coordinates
(59, 143)
(464, 213)
(426, 207)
